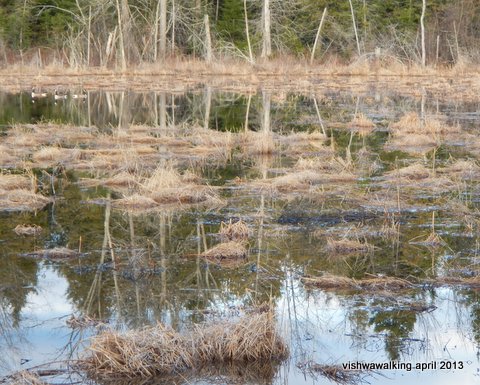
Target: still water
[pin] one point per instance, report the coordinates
(152, 270)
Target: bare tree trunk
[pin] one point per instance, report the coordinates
(355, 28)
(89, 35)
(163, 28)
(266, 96)
(121, 37)
(173, 26)
(422, 27)
(250, 55)
(208, 105)
(318, 35)
(208, 40)
(267, 41)
(163, 111)
(247, 112)
(155, 33)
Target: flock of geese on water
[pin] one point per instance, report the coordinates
(57, 95)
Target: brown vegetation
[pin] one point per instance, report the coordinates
(161, 350)
(223, 252)
(234, 231)
(55, 253)
(27, 229)
(347, 246)
(22, 200)
(328, 281)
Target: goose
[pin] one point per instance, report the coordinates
(36, 95)
(58, 96)
(83, 95)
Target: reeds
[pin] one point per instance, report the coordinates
(55, 253)
(27, 229)
(226, 251)
(23, 377)
(21, 200)
(329, 281)
(234, 231)
(161, 350)
(347, 246)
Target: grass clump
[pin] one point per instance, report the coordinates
(27, 229)
(55, 253)
(330, 281)
(231, 231)
(161, 350)
(347, 246)
(226, 251)
(23, 377)
(21, 200)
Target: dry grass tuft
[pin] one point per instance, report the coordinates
(337, 373)
(135, 202)
(24, 377)
(13, 182)
(226, 251)
(252, 339)
(234, 231)
(328, 281)
(415, 171)
(361, 120)
(83, 322)
(258, 143)
(27, 229)
(347, 246)
(385, 283)
(463, 169)
(21, 200)
(138, 353)
(161, 350)
(55, 253)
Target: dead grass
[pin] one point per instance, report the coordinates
(27, 229)
(362, 124)
(161, 350)
(328, 281)
(258, 143)
(415, 171)
(252, 339)
(58, 253)
(337, 374)
(13, 182)
(24, 377)
(347, 246)
(461, 169)
(21, 200)
(234, 231)
(135, 202)
(226, 251)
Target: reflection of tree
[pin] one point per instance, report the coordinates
(397, 325)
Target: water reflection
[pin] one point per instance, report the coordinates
(139, 267)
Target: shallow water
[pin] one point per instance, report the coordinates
(157, 275)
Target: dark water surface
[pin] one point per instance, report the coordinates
(159, 276)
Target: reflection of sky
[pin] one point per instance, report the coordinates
(318, 330)
(43, 330)
(317, 326)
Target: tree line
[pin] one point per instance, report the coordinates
(128, 32)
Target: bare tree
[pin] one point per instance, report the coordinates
(318, 35)
(422, 27)
(266, 26)
(355, 28)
